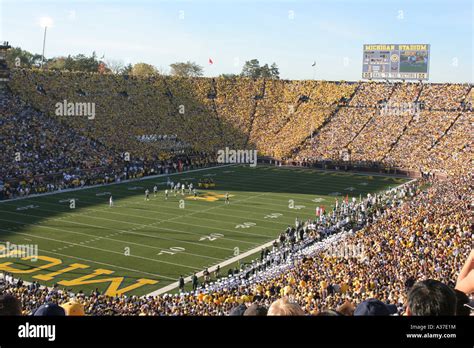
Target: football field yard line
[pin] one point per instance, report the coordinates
(267, 200)
(161, 212)
(130, 181)
(205, 210)
(110, 211)
(176, 217)
(160, 207)
(234, 183)
(151, 225)
(103, 250)
(106, 264)
(261, 194)
(227, 262)
(126, 241)
(120, 231)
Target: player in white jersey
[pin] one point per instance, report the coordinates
(166, 194)
(190, 188)
(111, 202)
(155, 190)
(147, 195)
(227, 198)
(182, 189)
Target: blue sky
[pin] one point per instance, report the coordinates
(291, 33)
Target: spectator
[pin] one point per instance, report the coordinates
(284, 307)
(465, 281)
(431, 298)
(49, 309)
(9, 305)
(374, 307)
(256, 310)
(73, 308)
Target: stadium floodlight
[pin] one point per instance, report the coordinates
(45, 22)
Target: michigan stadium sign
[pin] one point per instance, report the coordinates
(396, 61)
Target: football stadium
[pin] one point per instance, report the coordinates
(181, 184)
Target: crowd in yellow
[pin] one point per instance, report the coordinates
(427, 236)
(409, 125)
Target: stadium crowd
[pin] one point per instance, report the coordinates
(42, 154)
(408, 242)
(410, 247)
(405, 125)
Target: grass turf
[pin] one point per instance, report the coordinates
(157, 240)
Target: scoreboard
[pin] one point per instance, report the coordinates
(396, 61)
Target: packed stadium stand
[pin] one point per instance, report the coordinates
(422, 230)
(284, 119)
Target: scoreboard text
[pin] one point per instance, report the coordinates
(396, 61)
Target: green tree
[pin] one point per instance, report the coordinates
(274, 71)
(251, 69)
(81, 62)
(57, 63)
(228, 76)
(188, 69)
(143, 70)
(26, 59)
(265, 72)
(127, 70)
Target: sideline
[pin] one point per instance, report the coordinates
(255, 250)
(227, 262)
(112, 183)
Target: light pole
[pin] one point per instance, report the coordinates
(45, 22)
(44, 43)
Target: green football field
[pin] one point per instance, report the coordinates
(138, 247)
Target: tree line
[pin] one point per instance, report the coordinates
(16, 57)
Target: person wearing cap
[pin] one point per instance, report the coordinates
(9, 305)
(73, 308)
(49, 309)
(374, 307)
